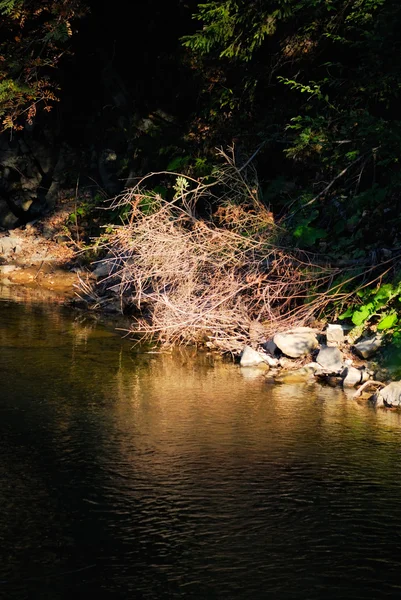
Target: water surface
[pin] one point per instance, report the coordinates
(125, 474)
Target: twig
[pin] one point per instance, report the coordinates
(367, 384)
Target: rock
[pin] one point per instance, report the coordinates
(301, 375)
(284, 362)
(296, 342)
(270, 347)
(272, 362)
(389, 396)
(377, 400)
(351, 377)
(102, 269)
(254, 372)
(251, 358)
(368, 347)
(314, 367)
(335, 334)
(330, 359)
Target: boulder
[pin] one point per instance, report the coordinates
(351, 377)
(335, 334)
(331, 359)
(296, 342)
(368, 347)
(389, 396)
(251, 358)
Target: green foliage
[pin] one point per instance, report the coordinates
(383, 304)
(305, 233)
(85, 209)
(232, 29)
(178, 163)
(324, 77)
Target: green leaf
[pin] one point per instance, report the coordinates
(178, 163)
(348, 313)
(361, 315)
(385, 292)
(387, 322)
(308, 235)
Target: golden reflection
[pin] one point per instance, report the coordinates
(175, 403)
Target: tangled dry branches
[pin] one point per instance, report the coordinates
(206, 280)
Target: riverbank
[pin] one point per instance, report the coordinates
(39, 261)
(36, 269)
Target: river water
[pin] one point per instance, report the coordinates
(131, 475)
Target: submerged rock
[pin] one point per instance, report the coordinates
(301, 375)
(331, 359)
(255, 372)
(389, 396)
(296, 342)
(368, 347)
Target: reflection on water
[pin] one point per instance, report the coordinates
(132, 475)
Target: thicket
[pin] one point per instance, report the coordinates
(202, 261)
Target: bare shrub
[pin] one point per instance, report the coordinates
(199, 280)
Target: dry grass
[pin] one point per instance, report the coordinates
(208, 280)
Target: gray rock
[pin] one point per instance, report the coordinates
(296, 342)
(335, 334)
(351, 377)
(272, 362)
(389, 396)
(330, 359)
(102, 269)
(270, 347)
(368, 347)
(313, 367)
(251, 358)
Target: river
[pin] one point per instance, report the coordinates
(126, 474)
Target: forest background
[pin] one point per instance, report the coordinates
(289, 110)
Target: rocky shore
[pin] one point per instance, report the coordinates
(331, 356)
(30, 260)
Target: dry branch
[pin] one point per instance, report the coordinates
(196, 280)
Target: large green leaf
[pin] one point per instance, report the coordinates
(387, 322)
(361, 315)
